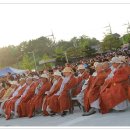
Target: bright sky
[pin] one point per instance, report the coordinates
(21, 22)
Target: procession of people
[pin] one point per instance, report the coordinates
(100, 84)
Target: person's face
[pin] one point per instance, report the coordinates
(115, 65)
(43, 80)
(22, 82)
(13, 86)
(29, 81)
(81, 70)
(67, 74)
(105, 66)
(56, 77)
(50, 74)
(99, 69)
(35, 80)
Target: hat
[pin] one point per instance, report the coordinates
(13, 82)
(44, 76)
(122, 58)
(80, 67)
(57, 73)
(116, 60)
(22, 79)
(29, 77)
(35, 77)
(95, 64)
(67, 69)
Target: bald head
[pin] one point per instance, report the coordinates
(105, 65)
(22, 81)
(29, 81)
(99, 67)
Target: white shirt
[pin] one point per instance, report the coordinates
(17, 90)
(94, 74)
(26, 90)
(112, 72)
(85, 84)
(54, 84)
(38, 88)
(65, 80)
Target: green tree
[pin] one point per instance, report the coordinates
(126, 38)
(26, 63)
(46, 58)
(89, 51)
(111, 42)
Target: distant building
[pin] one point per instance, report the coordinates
(126, 46)
(97, 48)
(47, 61)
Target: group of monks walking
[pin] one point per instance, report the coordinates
(108, 88)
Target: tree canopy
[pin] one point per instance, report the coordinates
(45, 49)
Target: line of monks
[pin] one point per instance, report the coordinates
(106, 89)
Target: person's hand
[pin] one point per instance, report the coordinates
(47, 92)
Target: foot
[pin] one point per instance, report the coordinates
(92, 111)
(64, 113)
(7, 117)
(51, 113)
(16, 115)
(1, 115)
(121, 110)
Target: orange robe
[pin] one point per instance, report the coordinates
(59, 103)
(80, 79)
(92, 92)
(114, 90)
(36, 101)
(48, 98)
(64, 99)
(2, 92)
(8, 93)
(53, 104)
(9, 105)
(127, 69)
(22, 107)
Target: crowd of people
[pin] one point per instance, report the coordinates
(100, 84)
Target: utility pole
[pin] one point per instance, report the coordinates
(34, 59)
(66, 56)
(52, 35)
(110, 30)
(128, 27)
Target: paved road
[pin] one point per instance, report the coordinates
(110, 119)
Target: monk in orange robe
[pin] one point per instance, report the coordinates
(2, 91)
(7, 96)
(9, 105)
(49, 94)
(93, 90)
(60, 101)
(83, 75)
(26, 96)
(126, 66)
(9, 92)
(35, 102)
(114, 91)
(4, 87)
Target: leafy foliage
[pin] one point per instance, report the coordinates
(111, 42)
(45, 49)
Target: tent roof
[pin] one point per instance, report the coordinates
(5, 71)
